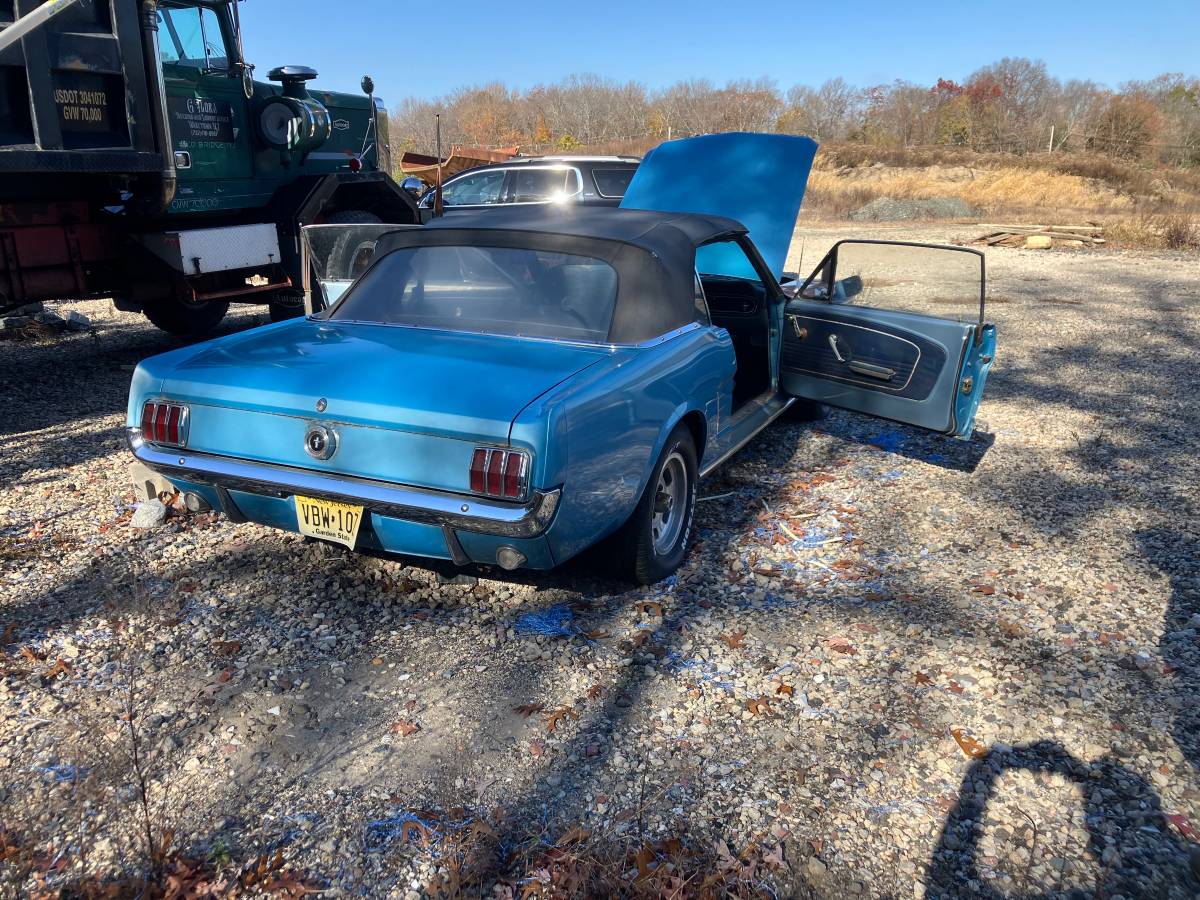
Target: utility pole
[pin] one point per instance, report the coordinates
(1050, 148)
(437, 195)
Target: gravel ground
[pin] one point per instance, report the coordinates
(892, 665)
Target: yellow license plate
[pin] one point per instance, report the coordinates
(328, 519)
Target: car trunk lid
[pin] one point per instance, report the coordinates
(409, 404)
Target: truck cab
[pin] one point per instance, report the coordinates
(141, 159)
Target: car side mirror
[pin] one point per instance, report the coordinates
(413, 185)
(845, 288)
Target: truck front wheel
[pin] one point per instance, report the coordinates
(185, 319)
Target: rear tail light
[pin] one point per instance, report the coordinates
(499, 473)
(165, 423)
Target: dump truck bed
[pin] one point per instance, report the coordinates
(74, 96)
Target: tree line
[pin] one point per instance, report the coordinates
(1012, 105)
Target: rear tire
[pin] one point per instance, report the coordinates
(185, 319)
(653, 543)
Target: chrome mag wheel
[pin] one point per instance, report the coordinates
(670, 503)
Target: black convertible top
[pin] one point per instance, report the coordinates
(646, 228)
(654, 253)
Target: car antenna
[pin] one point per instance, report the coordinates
(437, 190)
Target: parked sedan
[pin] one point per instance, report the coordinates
(509, 389)
(538, 181)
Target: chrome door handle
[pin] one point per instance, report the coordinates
(833, 343)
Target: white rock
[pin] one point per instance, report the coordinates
(52, 319)
(149, 514)
(77, 321)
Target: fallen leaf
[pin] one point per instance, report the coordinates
(536, 748)
(576, 835)
(405, 727)
(10, 631)
(560, 715)
(922, 678)
(227, 648)
(226, 674)
(1011, 629)
(1183, 826)
(410, 827)
(759, 706)
(597, 634)
(652, 608)
(595, 691)
(968, 744)
(31, 655)
(986, 589)
(840, 644)
(734, 639)
(377, 661)
(60, 667)
(786, 689)
(955, 686)
(528, 709)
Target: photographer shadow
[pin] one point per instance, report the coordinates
(1133, 848)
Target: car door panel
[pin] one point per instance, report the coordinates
(922, 368)
(915, 352)
(887, 357)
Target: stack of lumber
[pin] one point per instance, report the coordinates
(1042, 235)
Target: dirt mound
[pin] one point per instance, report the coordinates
(887, 209)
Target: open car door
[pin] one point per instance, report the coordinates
(894, 330)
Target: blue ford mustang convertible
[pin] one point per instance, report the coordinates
(510, 388)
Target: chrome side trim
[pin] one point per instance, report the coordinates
(663, 338)
(748, 438)
(412, 504)
(602, 345)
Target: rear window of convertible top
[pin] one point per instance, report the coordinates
(487, 290)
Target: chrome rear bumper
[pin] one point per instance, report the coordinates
(412, 504)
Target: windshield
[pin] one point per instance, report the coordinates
(493, 290)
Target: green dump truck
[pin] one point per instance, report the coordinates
(141, 160)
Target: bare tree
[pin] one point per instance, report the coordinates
(1012, 105)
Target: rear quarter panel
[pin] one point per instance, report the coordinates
(599, 434)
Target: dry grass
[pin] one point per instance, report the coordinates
(1156, 232)
(1153, 208)
(990, 191)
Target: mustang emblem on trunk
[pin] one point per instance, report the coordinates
(320, 442)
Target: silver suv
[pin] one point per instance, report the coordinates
(587, 180)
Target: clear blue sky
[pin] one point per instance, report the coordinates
(411, 51)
